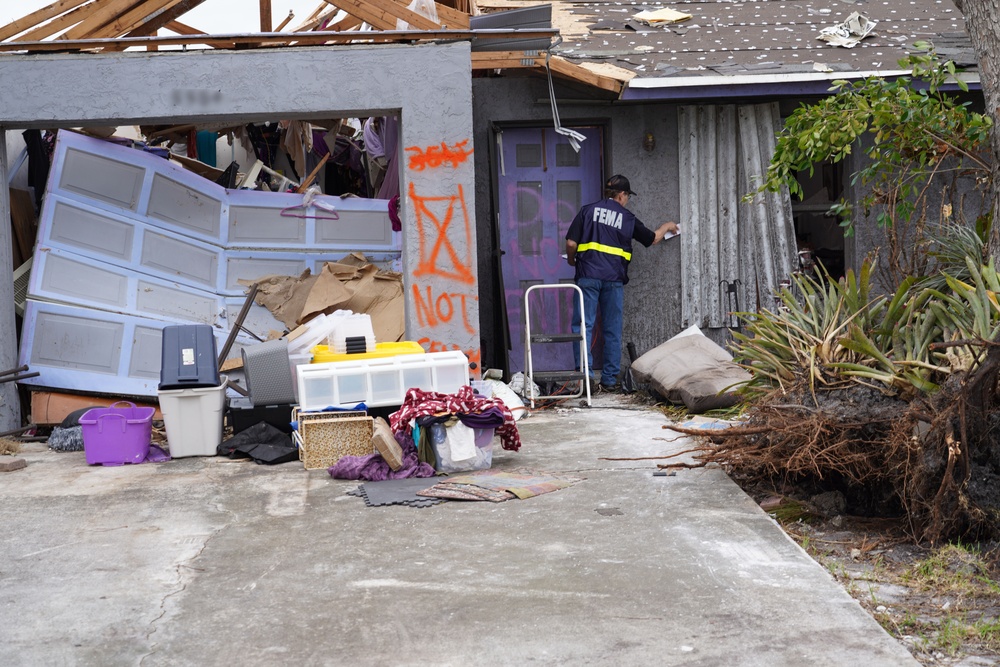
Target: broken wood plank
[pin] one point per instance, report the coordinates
(281, 26)
(36, 17)
(560, 65)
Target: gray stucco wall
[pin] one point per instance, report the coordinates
(428, 85)
(652, 297)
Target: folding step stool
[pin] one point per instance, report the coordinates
(581, 376)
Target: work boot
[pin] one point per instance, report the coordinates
(610, 388)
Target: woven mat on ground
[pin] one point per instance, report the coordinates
(397, 492)
(518, 483)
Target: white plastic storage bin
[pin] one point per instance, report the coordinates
(193, 419)
(353, 334)
(379, 382)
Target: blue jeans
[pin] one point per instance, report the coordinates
(607, 295)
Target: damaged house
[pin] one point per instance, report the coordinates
(506, 117)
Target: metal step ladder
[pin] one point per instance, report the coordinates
(531, 375)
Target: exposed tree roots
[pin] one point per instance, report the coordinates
(936, 459)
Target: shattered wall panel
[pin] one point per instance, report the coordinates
(723, 152)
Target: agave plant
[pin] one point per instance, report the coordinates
(803, 339)
(829, 333)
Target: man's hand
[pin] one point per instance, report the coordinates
(664, 229)
(570, 252)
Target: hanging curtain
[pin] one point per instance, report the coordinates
(724, 151)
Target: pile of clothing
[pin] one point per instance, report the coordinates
(429, 415)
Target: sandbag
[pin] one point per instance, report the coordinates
(693, 370)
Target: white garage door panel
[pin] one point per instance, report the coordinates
(258, 319)
(78, 342)
(88, 230)
(255, 225)
(184, 305)
(253, 266)
(63, 278)
(102, 178)
(147, 354)
(358, 230)
(179, 258)
(73, 349)
(185, 206)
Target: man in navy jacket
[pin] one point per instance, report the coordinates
(599, 245)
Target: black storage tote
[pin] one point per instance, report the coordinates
(189, 357)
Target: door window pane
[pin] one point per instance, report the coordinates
(529, 217)
(529, 155)
(566, 156)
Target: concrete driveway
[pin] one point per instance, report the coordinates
(206, 561)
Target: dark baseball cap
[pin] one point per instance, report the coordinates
(619, 183)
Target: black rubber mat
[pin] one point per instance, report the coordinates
(397, 492)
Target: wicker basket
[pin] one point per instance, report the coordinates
(325, 437)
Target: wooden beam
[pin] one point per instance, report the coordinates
(317, 38)
(36, 17)
(265, 16)
(453, 18)
(163, 18)
(58, 24)
(485, 60)
(281, 26)
(564, 67)
(183, 29)
(314, 22)
(383, 14)
(120, 23)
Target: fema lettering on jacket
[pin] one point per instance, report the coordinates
(608, 217)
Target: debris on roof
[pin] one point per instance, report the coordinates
(849, 32)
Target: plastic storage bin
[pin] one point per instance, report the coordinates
(193, 419)
(378, 382)
(117, 434)
(483, 450)
(188, 357)
(352, 334)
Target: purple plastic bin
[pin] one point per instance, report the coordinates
(116, 435)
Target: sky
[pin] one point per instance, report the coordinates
(212, 16)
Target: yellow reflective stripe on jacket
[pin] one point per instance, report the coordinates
(609, 249)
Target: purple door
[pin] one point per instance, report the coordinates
(542, 182)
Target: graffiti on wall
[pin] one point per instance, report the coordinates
(437, 156)
(444, 292)
(435, 217)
